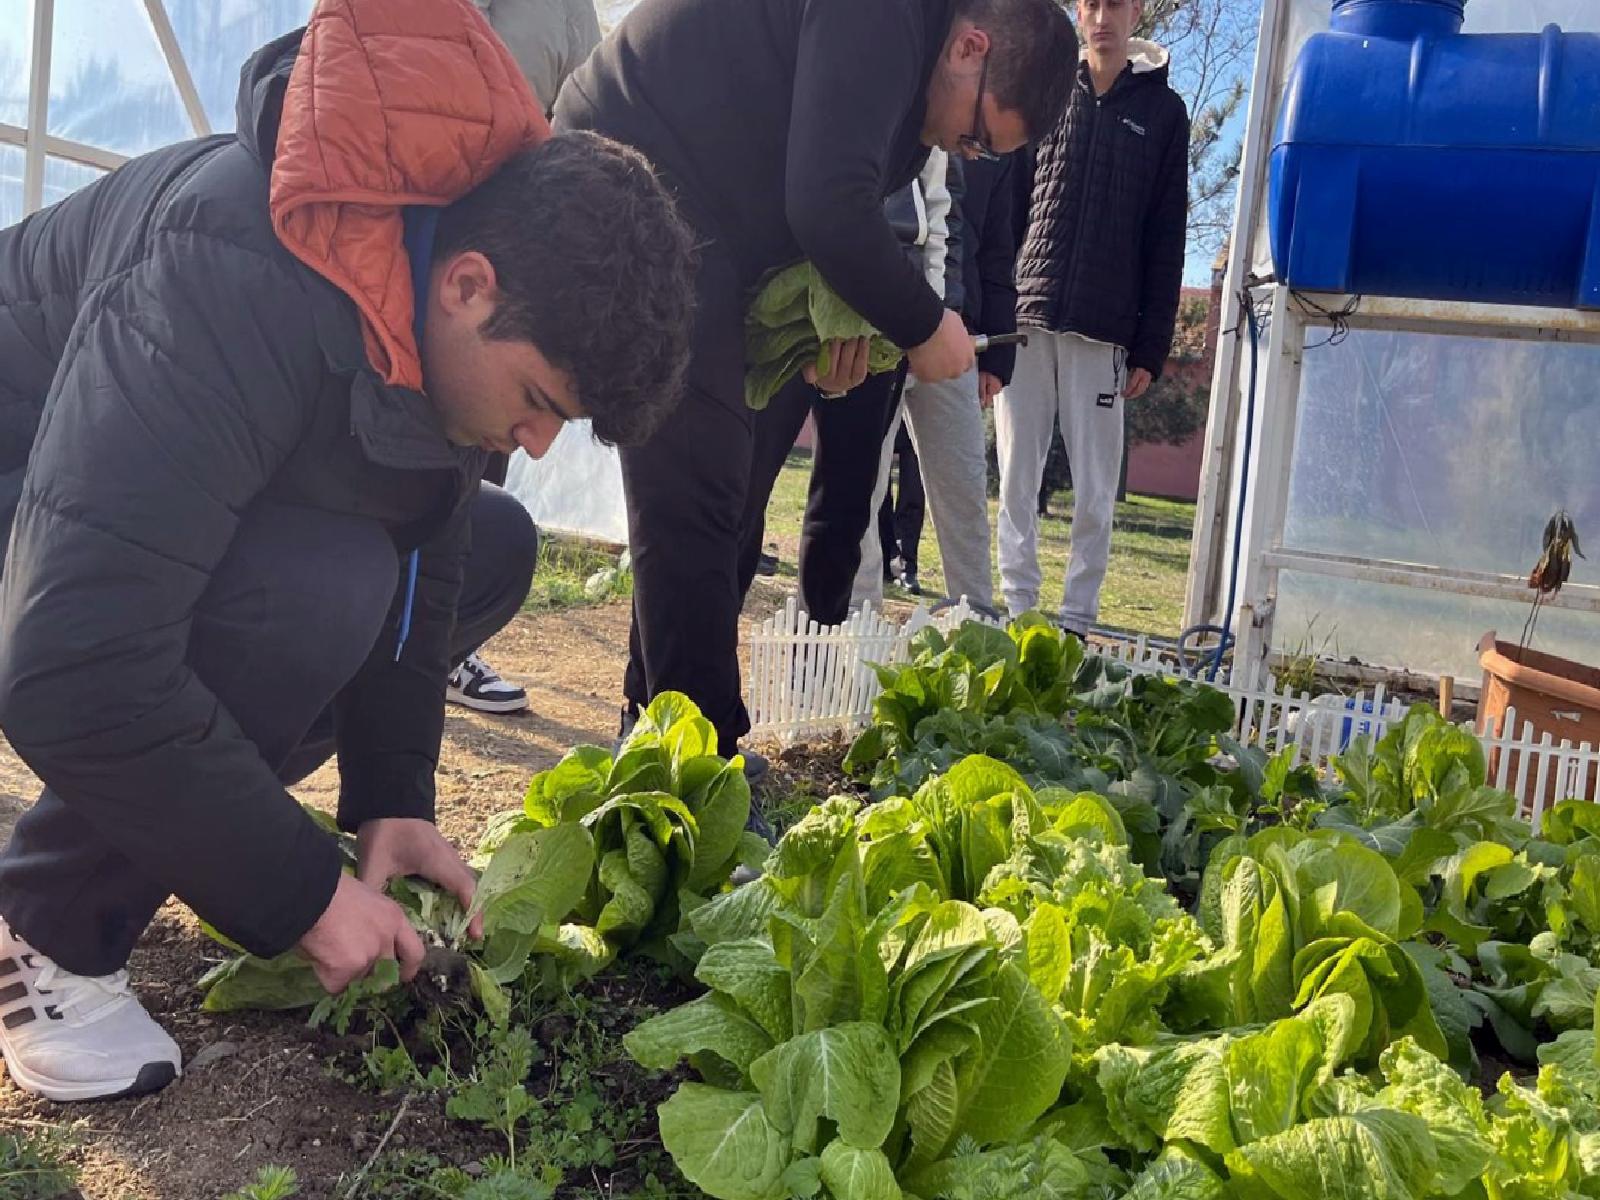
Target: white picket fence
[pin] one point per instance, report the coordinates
(1538, 769)
(808, 681)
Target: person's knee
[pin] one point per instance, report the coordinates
(505, 552)
(515, 539)
(300, 598)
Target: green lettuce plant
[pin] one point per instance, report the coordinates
(793, 316)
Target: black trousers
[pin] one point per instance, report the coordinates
(685, 490)
(287, 620)
(844, 473)
(905, 504)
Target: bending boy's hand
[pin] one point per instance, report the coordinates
(847, 368)
(390, 847)
(948, 354)
(359, 927)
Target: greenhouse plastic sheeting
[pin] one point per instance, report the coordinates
(1441, 450)
(1431, 633)
(1445, 451)
(11, 164)
(14, 53)
(612, 11)
(575, 488)
(218, 35)
(110, 85)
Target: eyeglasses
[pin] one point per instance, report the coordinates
(976, 143)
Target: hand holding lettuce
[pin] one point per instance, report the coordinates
(604, 856)
(789, 323)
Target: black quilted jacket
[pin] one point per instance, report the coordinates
(1108, 206)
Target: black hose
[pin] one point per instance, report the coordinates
(1225, 638)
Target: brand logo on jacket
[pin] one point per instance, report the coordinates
(1133, 125)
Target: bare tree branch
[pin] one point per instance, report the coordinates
(1212, 44)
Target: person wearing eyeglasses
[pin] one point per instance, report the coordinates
(1098, 279)
(838, 536)
(781, 126)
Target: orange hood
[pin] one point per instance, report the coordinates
(390, 103)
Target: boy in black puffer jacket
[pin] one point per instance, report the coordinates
(1098, 281)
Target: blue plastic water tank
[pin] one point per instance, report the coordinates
(1414, 160)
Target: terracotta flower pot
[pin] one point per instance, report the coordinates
(1554, 695)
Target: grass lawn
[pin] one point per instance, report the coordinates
(566, 565)
(1149, 552)
(1143, 589)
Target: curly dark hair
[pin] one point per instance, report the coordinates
(595, 267)
(1033, 58)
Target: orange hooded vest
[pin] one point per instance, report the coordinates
(390, 103)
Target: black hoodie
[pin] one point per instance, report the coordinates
(783, 125)
(1107, 218)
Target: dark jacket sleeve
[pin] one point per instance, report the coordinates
(389, 720)
(1165, 234)
(997, 270)
(161, 427)
(857, 75)
(1024, 168)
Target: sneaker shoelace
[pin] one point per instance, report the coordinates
(83, 998)
(485, 675)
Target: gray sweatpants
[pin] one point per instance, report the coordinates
(946, 427)
(1081, 381)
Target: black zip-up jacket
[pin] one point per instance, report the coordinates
(989, 259)
(782, 125)
(166, 361)
(1103, 252)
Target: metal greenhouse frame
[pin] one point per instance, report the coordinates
(35, 140)
(1258, 533)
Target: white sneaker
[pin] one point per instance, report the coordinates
(73, 1037)
(475, 684)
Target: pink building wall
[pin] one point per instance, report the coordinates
(1173, 471)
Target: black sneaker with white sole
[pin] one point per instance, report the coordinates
(76, 1037)
(475, 684)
